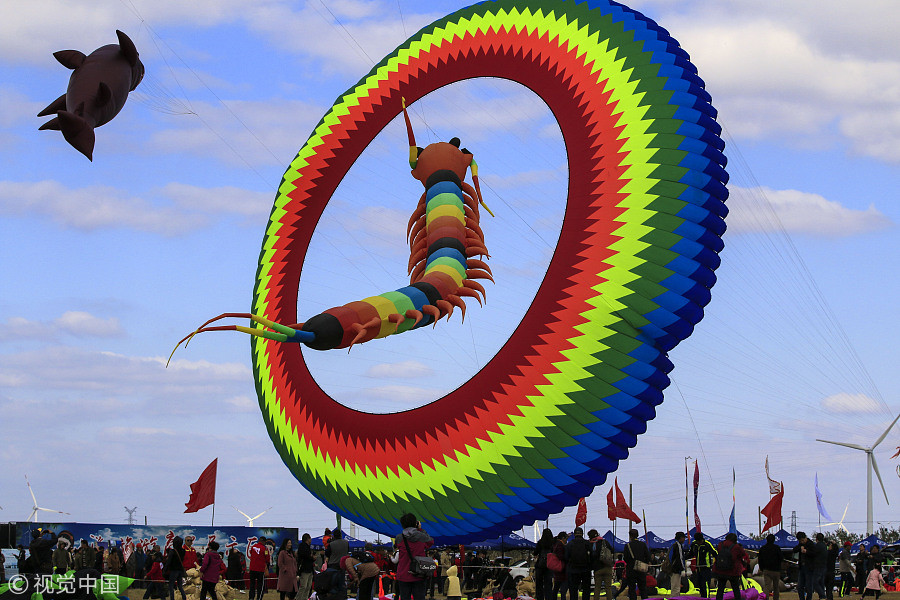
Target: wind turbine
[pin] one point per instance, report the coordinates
(870, 466)
(248, 517)
(840, 523)
(36, 508)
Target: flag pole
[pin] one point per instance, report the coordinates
(630, 503)
(213, 519)
(687, 523)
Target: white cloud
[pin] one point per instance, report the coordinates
(850, 403)
(770, 75)
(74, 371)
(93, 207)
(175, 209)
(228, 199)
(407, 369)
(76, 323)
(765, 209)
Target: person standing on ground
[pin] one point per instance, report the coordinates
(676, 563)
(235, 571)
(602, 557)
(770, 560)
(636, 551)
(174, 568)
(862, 567)
(413, 541)
(806, 556)
(453, 589)
(62, 560)
(703, 553)
(560, 583)
(830, 562)
(190, 560)
(287, 571)
(731, 562)
(543, 577)
(845, 566)
(874, 582)
(819, 565)
(259, 566)
(578, 565)
(305, 566)
(210, 570)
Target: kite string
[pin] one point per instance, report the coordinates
(700, 445)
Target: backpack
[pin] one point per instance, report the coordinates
(580, 554)
(725, 560)
(602, 555)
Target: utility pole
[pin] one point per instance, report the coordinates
(793, 522)
(130, 512)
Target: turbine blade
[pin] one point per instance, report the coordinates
(262, 513)
(32, 516)
(30, 490)
(52, 510)
(884, 435)
(877, 474)
(854, 446)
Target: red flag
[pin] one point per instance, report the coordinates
(610, 506)
(581, 514)
(772, 510)
(203, 491)
(623, 511)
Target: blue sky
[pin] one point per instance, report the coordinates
(105, 265)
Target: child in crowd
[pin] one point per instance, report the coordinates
(453, 590)
(874, 582)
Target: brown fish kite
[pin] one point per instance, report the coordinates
(97, 91)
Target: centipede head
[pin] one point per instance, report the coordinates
(442, 156)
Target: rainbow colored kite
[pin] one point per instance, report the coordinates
(562, 402)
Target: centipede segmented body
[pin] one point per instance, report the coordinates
(447, 252)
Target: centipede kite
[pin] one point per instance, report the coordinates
(563, 401)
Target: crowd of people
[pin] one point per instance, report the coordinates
(563, 564)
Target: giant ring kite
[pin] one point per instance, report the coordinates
(561, 403)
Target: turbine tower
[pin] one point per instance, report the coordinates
(248, 517)
(36, 508)
(870, 466)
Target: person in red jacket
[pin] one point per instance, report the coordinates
(412, 542)
(155, 587)
(731, 562)
(259, 566)
(190, 553)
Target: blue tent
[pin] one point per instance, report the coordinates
(504, 542)
(654, 542)
(869, 542)
(617, 544)
(316, 542)
(783, 539)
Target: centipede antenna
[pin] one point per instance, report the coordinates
(413, 150)
(474, 167)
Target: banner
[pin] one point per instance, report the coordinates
(819, 504)
(696, 486)
(104, 535)
(774, 486)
